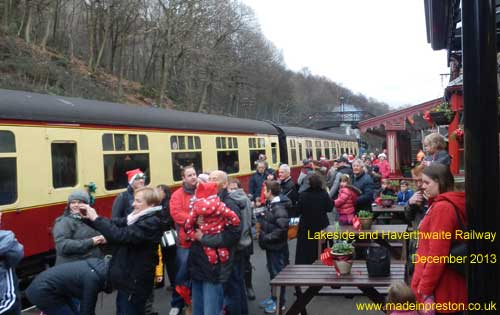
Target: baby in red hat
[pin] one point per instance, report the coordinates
(216, 216)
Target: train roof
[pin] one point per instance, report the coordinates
(20, 105)
(303, 132)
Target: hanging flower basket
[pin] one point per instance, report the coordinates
(442, 118)
(442, 114)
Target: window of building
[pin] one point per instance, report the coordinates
(121, 154)
(186, 151)
(8, 168)
(257, 147)
(309, 150)
(293, 151)
(227, 154)
(64, 169)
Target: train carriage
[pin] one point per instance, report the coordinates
(51, 145)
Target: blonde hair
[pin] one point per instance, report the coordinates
(436, 141)
(345, 178)
(150, 195)
(400, 292)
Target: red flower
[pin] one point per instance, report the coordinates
(427, 117)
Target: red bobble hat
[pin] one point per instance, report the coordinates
(133, 174)
(203, 190)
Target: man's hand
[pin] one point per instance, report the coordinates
(199, 221)
(198, 235)
(417, 198)
(98, 240)
(88, 212)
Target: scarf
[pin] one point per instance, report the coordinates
(133, 217)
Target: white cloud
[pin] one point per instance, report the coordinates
(378, 48)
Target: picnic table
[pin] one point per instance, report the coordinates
(318, 276)
(394, 208)
(386, 214)
(379, 229)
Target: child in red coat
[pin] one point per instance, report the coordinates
(346, 201)
(216, 216)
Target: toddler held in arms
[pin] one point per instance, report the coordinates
(215, 217)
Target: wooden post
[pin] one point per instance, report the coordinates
(481, 142)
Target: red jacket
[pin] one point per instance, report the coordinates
(384, 167)
(179, 210)
(346, 201)
(435, 278)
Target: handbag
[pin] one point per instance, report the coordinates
(458, 249)
(169, 238)
(378, 261)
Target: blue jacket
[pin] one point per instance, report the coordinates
(11, 253)
(255, 184)
(403, 197)
(364, 183)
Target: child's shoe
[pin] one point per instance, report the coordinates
(266, 302)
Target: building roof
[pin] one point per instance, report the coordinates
(20, 105)
(397, 120)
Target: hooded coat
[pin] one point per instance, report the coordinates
(73, 239)
(274, 225)
(435, 278)
(346, 201)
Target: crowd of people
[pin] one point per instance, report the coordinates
(213, 219)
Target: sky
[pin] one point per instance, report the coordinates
(377, 48)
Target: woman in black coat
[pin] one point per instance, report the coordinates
(313, 205)
(135, 239)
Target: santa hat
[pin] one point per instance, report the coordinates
(322, 158)
(203, 190)
(133, 174)
(382, 155)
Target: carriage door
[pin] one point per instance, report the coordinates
(64, 152)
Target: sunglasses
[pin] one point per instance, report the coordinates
(140, 177)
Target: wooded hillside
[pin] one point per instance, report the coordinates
(195, 55)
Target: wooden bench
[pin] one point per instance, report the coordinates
(318, 279)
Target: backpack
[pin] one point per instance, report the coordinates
(245, 222)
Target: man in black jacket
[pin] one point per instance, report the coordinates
(288, 188)
(209, 280)
(364, 183)
(273, 238)
(53, 290)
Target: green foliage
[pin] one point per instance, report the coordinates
(445, 108)
(365, 214)
(149, 91)
(342, 247)
(388, 197)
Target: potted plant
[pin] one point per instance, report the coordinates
(388, 200)
(366, 219)
(342, 255)
(442, 114)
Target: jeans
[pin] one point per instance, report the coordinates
(276, 261)
(127, 307)
(207, 297)
(182, 276)
(235, 295)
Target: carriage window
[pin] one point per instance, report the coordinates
(119, 142)
(116, 166)
(301, 157)
(309, 150)
(107, 142)
(64, 171)
(7, 142)
(227, 154)
(132, 142)
(293, 151)
(143, 140)
(186, 151)
(318, 150)
(8, 168)
(274, 152)
(257, 147)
